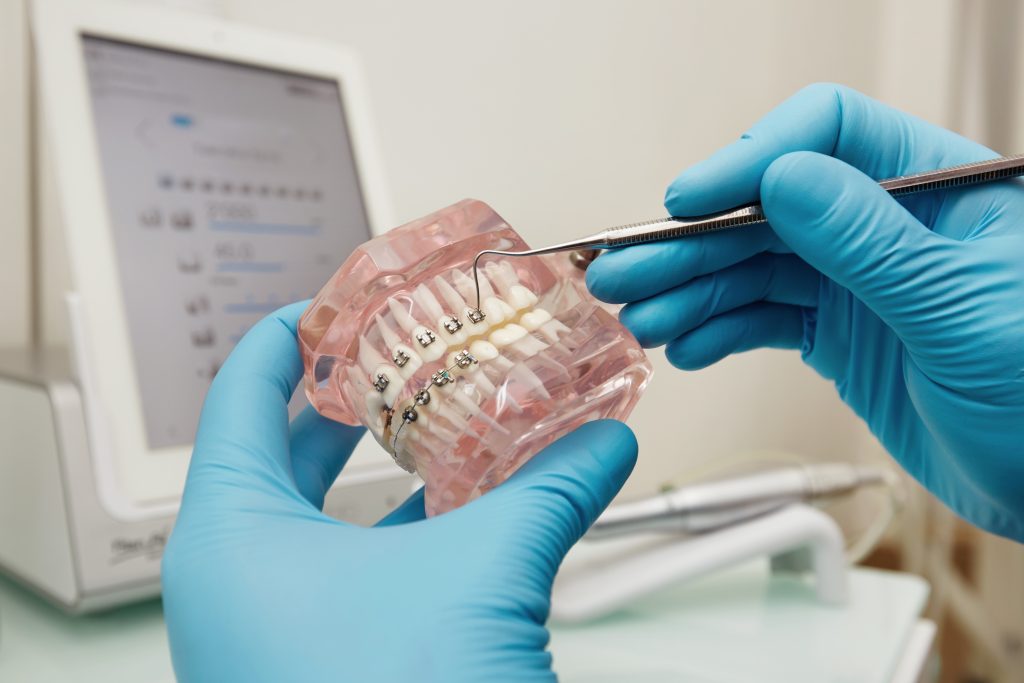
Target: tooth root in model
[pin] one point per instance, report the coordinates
(402, 316)
(426, 300)
(499, 278)
(474, 410)
(521, 373)
(403, 356)
(467, 288)
(451, 297)
(369, 358)
(449, 326)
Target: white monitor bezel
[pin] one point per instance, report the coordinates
(135, 480)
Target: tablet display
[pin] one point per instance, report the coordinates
(231, 190)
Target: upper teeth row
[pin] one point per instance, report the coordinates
(481, 332)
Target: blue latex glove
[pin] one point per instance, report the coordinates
(914, 308)
(260, 585)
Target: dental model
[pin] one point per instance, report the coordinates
(458, 394)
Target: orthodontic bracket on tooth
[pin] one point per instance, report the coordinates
(441, 377)
(422, 397)
(452, 324)
(476, 315)
(426, 338)
(464, 359)
(381, 382)
(400, 358)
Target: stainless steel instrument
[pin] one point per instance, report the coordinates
(672, 227)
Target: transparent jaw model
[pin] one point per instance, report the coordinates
(458, 394)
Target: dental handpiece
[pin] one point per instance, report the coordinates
(703, 507)
(752, 214)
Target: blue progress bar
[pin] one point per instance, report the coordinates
(250, 266)
(265, 228)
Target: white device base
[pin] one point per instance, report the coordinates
(56, 534)
(601, 577)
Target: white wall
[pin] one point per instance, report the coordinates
(570, 116)
(14, 195)
(573, 115)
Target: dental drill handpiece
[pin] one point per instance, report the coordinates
(752, 214)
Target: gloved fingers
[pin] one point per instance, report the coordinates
(842, 223)
(411, 510)
(755, 326)
(880, 141)
(646, 270)
(320, 448)
(550, 502)
(243, 429)
(784, 279)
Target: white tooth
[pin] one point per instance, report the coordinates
(374, 405)
(506, 309)
(431, 347)
(529, 346)
(509, 334)
(452, 338)
(392, 387)
(369, 357)
(428, 302)
(387, 333)
(520, 297)
(483, 350)
(412, 359)
(357, 377)
(452, 298)
(552, 329)
(475, 377)
(452, 362)
(494, 310)
(438, 407)
(532, 320)
(402, 316)
(404, 357)
(471, 328)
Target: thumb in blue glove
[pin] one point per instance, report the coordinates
(260, 585)
(911, 306)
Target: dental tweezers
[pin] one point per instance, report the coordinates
(751, 214)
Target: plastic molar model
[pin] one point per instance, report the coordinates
(460, 394)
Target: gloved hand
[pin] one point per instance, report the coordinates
(913, 307)
(259, 585)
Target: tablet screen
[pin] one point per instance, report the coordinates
(231, 190)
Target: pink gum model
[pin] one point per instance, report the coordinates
(394, 342)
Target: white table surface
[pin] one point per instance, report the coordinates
(742, 625)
